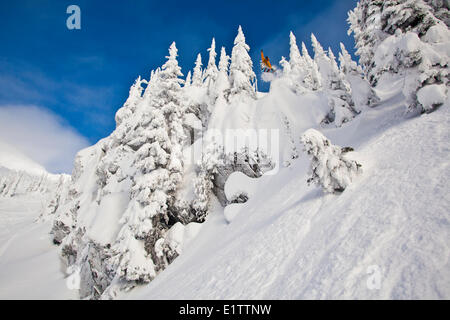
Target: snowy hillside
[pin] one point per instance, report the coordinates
(334, 184)
(28, 260)
(29, 264)
(21, 176)
(292, 241)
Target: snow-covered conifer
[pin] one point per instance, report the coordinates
(347, 64)
(365, 24)
(362, 92)
(340, 98)
(337, 79)
(440, 9)
(242, 77)
(312, 79)
(408, 15)
(318, 49)
(159, 162)
(211, 70)
(297, 73)
(335, 84)
(295, 59)
(222, 84)
(135, 95)
(197, 76)
(403, 38)
(286, 66)
(153, 78)
(188, 81)
(224, 61)
(329, 167)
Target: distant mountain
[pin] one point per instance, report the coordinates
(13, 159)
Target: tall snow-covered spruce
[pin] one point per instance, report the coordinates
(300, 72)
(135, 175)
(211, 72)
(197, 76)
(222, 85)
(242, 76)
(159, 167)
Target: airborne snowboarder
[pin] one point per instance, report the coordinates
(265, 63)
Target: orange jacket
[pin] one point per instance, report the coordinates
(265, 60)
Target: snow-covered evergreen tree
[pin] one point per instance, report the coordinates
(188, 81)
(296, 61)
(407, 15)
(297, 72)
(224, 61)
(329, 167)
(319, 53)
(441, 10)
(365, 24)
(222, 85)
(286, 66)
(199, 98)
(242, 77)
(336, 78)
(403, 38)
(153, 75)
(347, 64)
(374, 21)
(134, 97)
(335, 84)
(197, 76)
(362, 92)
(312, 79)
(211, 71)
(148, 154)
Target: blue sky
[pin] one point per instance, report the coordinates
(82, 76)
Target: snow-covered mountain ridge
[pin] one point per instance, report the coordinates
(21, 176)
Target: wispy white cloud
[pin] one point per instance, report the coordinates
(93, 104)
(40, 135)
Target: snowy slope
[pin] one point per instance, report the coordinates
(29, 264)
(19, 175)
(300, 243)
(185, 150)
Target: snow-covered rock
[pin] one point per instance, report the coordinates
(239, 184)
(431, 96)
